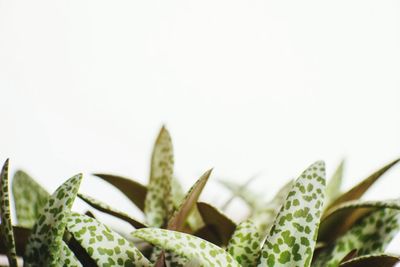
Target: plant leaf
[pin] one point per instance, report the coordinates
(369, 235)
(67, 257)
(265, 215)
(381, 260)
(293, 235)
(21, 236)
(334, 184)
(104, 246)
(178, 220)
(358, 190)
(29, 198)
(97, 204)
(6, 228)
(188, 246)
(158, 203)
(134, 191)
(245, 244)
(45, 242)
(341, 218)
(217, 221)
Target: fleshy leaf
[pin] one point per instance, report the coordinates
(104, 246)
(97, 204)
(188, 246)
(358, 191)
(264, 216)
(293, 235)
(334, 184)
(342, 217)
(6, 228)
(381, 260)
(29, 198)
(245, 244)
(369, 235)
(158, 203)
(68, 258)
(219, 223)
(45, 243)
(21, 236)
(134, 191)
(178, 220)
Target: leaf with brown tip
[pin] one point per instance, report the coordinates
(343, 217)
(178, 220)
(381, 260)
(357, 191)
(215, 219)
(136, 192)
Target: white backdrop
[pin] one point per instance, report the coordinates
(243, 86)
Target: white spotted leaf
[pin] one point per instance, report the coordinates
(45, 242)
(158, 204)
(293, 235)
(6, 228)
(104, 246)
(68, 258)
(370, 235)
(187, 246)
(29, 198)
(245, 244)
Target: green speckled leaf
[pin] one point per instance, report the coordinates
(334, 184)
(369, 235)
(134, 191)
(104, 246)
(381, 260)
(29, 198)
(293, 236)
(341, 218)
(6, 228)
(220, 225)
(97, 204)
(68, 258)
(358, 190)
(177, 222)
(188, 246)
(265, 215)
(245, 244)
(158, 203)
(45, 243)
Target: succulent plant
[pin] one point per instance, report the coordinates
(309, 222)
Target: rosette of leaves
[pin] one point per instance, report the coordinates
(308, 223)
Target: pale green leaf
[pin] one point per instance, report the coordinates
(293, 235)
(188, 246)
(265, 215)
(103, 245)
(6, 228)
(245, 244)
(103, 207)
(45, 242)
(29, 198)
(334, 184)
(369, 235)
(158, 203)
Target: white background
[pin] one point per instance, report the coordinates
(244, 87)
